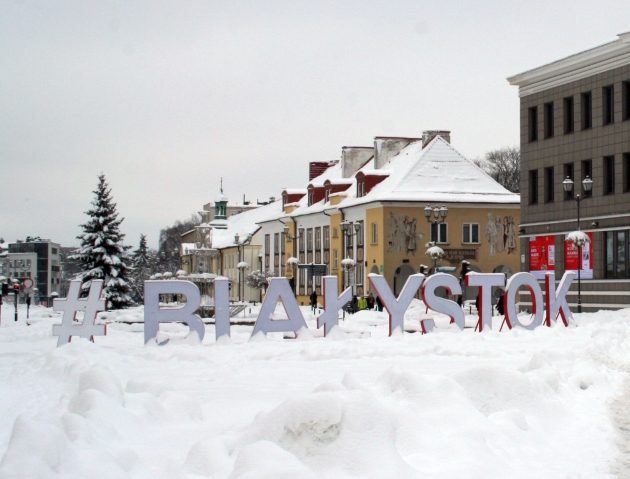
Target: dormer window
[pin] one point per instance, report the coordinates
(310, 196)
(326, 195)
(360, 189)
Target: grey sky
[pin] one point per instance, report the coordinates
(166, 97)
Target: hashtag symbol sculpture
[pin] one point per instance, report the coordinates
(72, 305)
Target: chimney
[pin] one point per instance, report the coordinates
(428, 135)
(386, 147)
(316, 168)
(353, 158)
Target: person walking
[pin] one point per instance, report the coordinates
(313, 298)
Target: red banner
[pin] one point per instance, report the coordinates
(542, 255)
(572, 260)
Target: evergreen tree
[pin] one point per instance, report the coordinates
(102, 253)
(142, 260)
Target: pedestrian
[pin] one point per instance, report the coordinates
(354, 305)
(500, 303)
(462, 280)
(379, 304)
(313, 298)
(370, 302)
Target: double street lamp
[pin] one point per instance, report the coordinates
(578, 238)
(434, 216)
(349, 230)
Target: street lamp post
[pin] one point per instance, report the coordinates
(242, 265)
(292, 260)
(434, 216)
(587, 186)
(350, 230)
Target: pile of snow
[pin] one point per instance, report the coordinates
(448, 404)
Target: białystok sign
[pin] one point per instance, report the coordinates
(279, 290)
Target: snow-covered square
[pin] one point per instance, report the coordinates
(548, 403)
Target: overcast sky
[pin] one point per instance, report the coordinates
(166, 97)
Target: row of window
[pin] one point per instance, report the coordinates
(586, 112)
(607, 183)
(19, 263)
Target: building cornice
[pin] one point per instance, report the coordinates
(575, 67)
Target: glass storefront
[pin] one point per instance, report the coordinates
(617, 254)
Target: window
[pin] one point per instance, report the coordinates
(318, 245)
(326, 195)
(587, 110)
(569, 119)
(532, 119)
(608, 104)
(360, 189)
(568, 173)
(309, 245)
(310, 197)
(533, 187)
(549, 119)
(609, 175)
(374, 233)
(438, 232)
(549, 184)
(267, 251)
(616, 244)
(587, 170)
(471, 233)
(625, 99)
(626, 172)
(276, 253)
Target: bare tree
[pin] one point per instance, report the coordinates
(504, 165)
(168, 255)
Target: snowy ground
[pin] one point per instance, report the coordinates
(517, 404)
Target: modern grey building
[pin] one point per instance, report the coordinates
(575, 123)
(39, 260)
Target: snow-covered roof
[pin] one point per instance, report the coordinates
(334, 171)
(295, 191)
(437, 173)
(244, 224)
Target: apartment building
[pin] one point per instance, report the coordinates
(575, 131)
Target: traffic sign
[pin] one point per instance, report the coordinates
(27, 283)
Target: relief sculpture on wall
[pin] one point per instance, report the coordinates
(501, 234)
(402, 237)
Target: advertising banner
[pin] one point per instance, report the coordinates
(571, 259)
(542, 255)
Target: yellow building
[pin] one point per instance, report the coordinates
(378, 209)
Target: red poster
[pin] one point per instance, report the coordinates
(542, 255)
(571, 257)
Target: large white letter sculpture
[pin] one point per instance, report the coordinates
(485, 282)
(442, 305)
(396, 307)
(221, 307)
(332, 303)
(154, 315)
(511, 314)
(557, 301)
(72, 305)
(279, 290)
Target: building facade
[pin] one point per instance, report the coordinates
(40, 260)
(575, 124)
(367, 213)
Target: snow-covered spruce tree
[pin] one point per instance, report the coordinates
(142, 260)
(102, 253)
